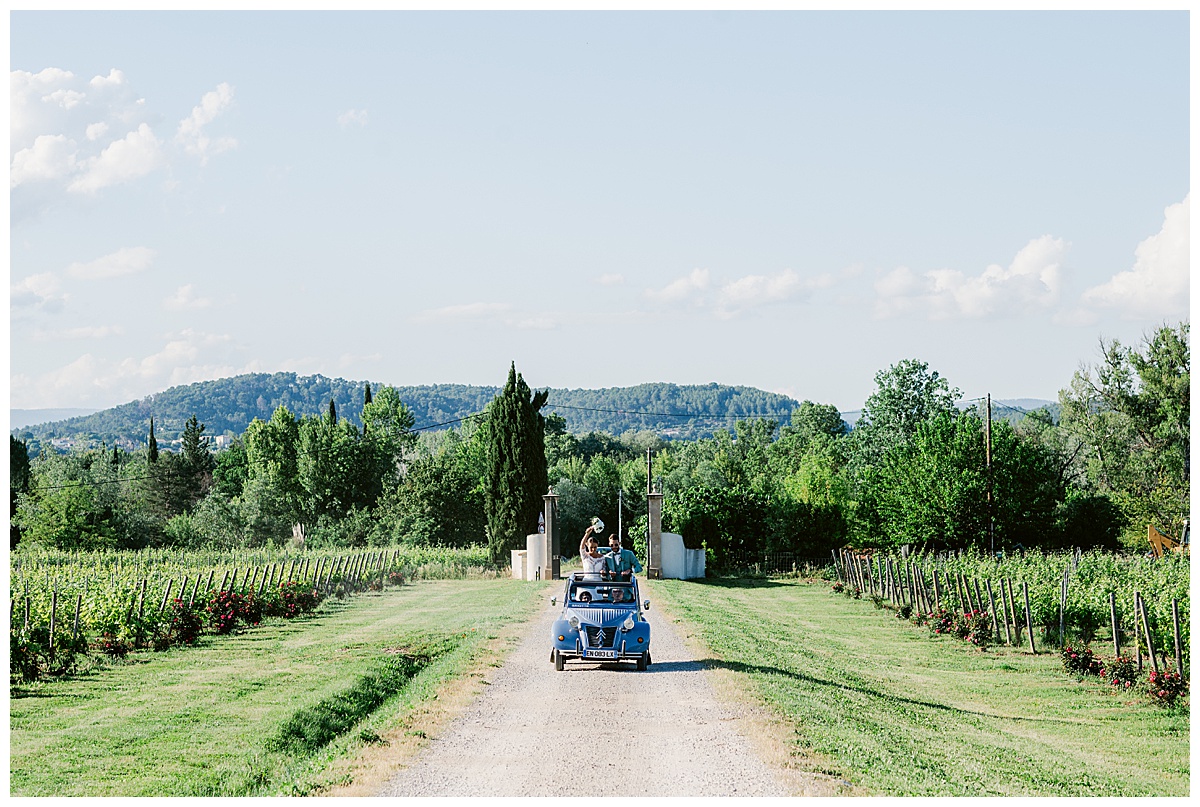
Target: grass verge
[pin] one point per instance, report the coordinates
(896, 712)
(276, 710)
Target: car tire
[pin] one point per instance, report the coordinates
(643, 662)
(559, 661)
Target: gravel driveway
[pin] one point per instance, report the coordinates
(594, 729)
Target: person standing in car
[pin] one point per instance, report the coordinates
(621, 563)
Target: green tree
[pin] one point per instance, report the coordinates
(272, 454)
(152, 444)
(516, 475)
(1130, 414)
(196, 462)
(18, 484)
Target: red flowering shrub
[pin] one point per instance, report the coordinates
(112, 646)
(226, 609)
(395, 579)
(1166, 688)
(974, 627)
(1080, 661)
(941, 622)
(1121, 672)
(185, 623)
(838, 587)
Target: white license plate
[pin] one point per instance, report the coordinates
(599, 653)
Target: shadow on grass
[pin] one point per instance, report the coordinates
(743, 667)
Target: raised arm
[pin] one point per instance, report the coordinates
(583, 542)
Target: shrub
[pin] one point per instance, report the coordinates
(395, 578)
(226, 609)
(877, 601)
(185, 623)
(974, 627)
(22, 657)
(941, 622)
(1121, 672)
(112, 646)
(1166, 688)
(838, 587)
(904, 611)
(1080, 660)
(856, 593)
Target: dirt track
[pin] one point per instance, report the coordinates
(594, 729)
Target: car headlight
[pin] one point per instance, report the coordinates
(628, 623)
(573, 622)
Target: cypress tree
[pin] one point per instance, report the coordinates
(152, 445)
(516, 465)
(366, 403)
(332, 413)
(116, 458)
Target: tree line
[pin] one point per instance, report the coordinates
(913, 470)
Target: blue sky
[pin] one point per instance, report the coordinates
(791, 200)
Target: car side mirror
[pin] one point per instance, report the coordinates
(646, 605)
(554, 600)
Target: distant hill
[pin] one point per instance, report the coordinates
(1010, 409)
(227, 405)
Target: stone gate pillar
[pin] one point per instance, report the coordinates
(654, 536)
(553, 547)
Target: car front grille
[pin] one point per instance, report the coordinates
(600, 637)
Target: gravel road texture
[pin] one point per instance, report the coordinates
(596, 730)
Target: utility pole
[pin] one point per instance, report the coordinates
(620, 508)
(649, 490)
(987, 430)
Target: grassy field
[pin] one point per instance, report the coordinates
(276, 710)
(880, 703)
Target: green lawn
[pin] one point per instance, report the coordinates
(879, 702)
(204, 720)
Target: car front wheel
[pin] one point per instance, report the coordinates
(559, 662)
(643, 662)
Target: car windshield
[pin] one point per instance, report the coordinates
(602, 593)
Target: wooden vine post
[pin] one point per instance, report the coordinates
(1028, 616)
(75, 624)
(1178, 644)
(53, 615)
(992, 611)
(937, 589)
(1116, 631)
(1146, 625)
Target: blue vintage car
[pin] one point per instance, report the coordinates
(600, 621)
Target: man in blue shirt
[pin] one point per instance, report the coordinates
(620, 563)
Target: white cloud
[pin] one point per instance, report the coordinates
(611, 279)
(125, 261)
(42, 291)
(501, 314)
(1032, 280)
(191, 134)
(755, 290)
(466, 311)
(353, 117)
(124, 160)
(1158, 284)
(50, 157)
(115, 78)
(185, 299)
(731, 298)
(186, 357)
(681, 289)
(95, 131)
(85, 332)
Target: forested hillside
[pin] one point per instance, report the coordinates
(227, 405)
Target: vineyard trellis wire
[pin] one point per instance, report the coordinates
(1060, 595)
(66, 602)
